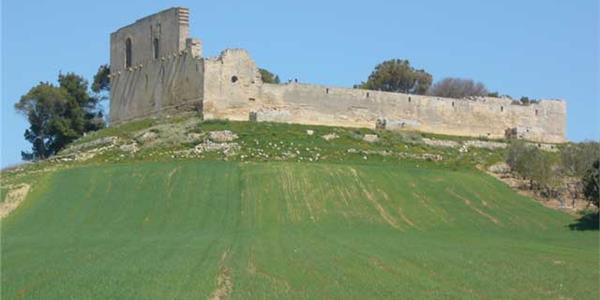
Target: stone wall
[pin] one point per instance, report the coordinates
(170, 83)
(544, 121)
(487, 117)
(231, 84)
(230, 87)
(169, 27)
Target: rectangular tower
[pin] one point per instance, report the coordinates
(154, 67)
(149, 38)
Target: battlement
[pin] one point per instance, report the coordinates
(156, 67)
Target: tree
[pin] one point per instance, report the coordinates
(591, 183)
(268, 77)
(533, 164)
(41, 105)
(576, 159)
(458, 88)
(83, 107)
(58, 115)
(397, 75)
(101, 81)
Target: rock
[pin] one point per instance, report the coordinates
(440, 143)
(310, 132)
(222, 136)
(208, 146)
(371, 138)
(130, 148)
(330, 136)
(194, 136)
(499, 168)
(101, 142)
(485, 144)
(146, 137)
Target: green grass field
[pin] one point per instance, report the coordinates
(213, 229)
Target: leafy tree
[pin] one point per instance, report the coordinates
(591, 183)
(58, 115)
(458, 88)
(268, 77)
(101, 81)
(576, 159)
(535, 165)
(41, 105)
(397, 75)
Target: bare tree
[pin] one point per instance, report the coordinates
(457, 88)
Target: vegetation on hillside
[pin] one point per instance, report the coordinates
(275, 230)
(547, 171)
(58, 114)
(591, 183)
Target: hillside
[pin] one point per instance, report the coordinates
(163, 210)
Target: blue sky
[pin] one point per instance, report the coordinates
(540, 49)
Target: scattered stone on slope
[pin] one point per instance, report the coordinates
(499, 168)
(440, 143)
(330, 136)
(370, 138)
(310, 132)
(485, 144)
(222, 136)
(208, 146)
(16, 194)
(146, 137)
(194, 137)
(97, 143)
(129, 148)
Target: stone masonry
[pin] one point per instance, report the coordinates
(156, 68)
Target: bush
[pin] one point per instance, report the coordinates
(577, 159)
(397, 75)
(591, 182)
(458, 88)
(533, 164)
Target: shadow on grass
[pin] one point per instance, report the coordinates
(587, 221)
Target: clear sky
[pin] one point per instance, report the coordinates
(539, 49)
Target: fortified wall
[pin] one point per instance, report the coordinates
(156, 68)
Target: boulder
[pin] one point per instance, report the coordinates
(370, 138)
(222, 136)
(330, 136)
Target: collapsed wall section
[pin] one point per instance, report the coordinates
(231, 83)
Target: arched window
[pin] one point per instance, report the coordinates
(128, 53)
(155, 44)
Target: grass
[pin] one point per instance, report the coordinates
(264, 141)
(359, 230)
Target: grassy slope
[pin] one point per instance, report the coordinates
(166, 230)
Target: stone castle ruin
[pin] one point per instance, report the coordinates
(156, 68)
